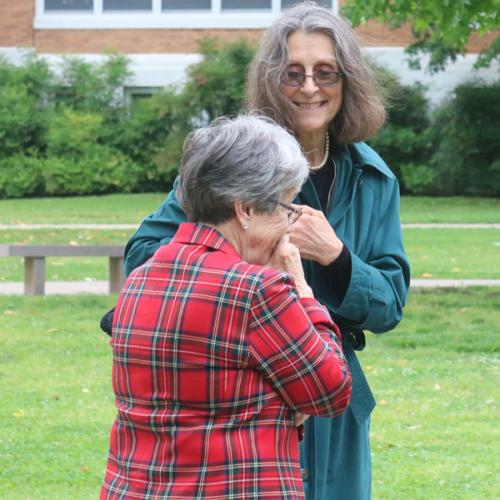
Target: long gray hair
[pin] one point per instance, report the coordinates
(362, 112)
(249, 159)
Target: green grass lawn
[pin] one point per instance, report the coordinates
(131, 208)
(450, 209)
(433, 253)
(453, 253)
(434, 431)
(110, 209)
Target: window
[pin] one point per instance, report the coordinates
(290, 3)
(186, 4)
(69, 5)
(134, 95)
(127, 5)
(160, 14)
(246, 4)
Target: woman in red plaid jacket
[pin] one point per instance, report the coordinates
(219, 347)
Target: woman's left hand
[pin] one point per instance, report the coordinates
(315, 238)
(300, 418)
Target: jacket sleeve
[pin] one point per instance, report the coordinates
(296, 346)
(378, 287)
(155, 230)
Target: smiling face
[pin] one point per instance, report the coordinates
(315, 106)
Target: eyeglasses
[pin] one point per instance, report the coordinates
(293, 213)
(321, 77)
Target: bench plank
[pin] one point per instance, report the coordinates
(61, 251)
(34, 262)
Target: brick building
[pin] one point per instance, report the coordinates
(161, 36)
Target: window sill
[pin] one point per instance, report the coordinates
(137, 20)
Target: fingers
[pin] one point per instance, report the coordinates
(300, 418)
(306, 209)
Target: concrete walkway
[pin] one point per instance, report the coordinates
(102, 227)
(102, 287)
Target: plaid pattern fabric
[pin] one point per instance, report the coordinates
(211, 357)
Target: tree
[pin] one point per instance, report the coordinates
(442, 28)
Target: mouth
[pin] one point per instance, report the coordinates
(310, 106)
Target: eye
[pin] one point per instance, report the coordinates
(325, 75)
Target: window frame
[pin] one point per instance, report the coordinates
(176, 19)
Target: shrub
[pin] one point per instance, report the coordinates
(100, 170)
(404, 141)
(20, 175)
(466, 131)
(215, 85)
(147, 133)
(24, 92)
(95, 88)
(79, 162)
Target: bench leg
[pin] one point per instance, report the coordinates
(34, 275)
(116, 274)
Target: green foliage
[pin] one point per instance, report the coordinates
(404, 141)
(24, 91)
(441, 28)
(86, 140)
(79, 163)
(417, 179)
(20, 175)
(94, 87)
(466, 132)
(149, 133)
(215, 86)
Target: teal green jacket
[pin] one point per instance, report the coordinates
(365, 216)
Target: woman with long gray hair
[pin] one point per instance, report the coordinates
(310, 76)
(219, 347)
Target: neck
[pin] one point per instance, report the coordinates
(314, 145)
(232, 233)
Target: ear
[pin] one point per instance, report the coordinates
(243, 213)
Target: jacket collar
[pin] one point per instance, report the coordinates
(204, 235)
(364, 156)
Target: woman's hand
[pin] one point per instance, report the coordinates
(286, 257)
(315, 238)
(300, 418)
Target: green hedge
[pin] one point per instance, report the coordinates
(73, 134)
(404, 141)
(467, 145)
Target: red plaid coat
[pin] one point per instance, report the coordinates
(211, 358)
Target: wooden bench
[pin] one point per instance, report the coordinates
(34, 262)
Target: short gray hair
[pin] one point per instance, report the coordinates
(249, 159)
(363, 110)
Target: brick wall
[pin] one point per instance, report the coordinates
(138, 41)
(181, 40)
(16, 30)
(16, 23)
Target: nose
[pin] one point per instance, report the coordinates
(309, 86)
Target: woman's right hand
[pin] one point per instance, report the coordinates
(286, 258)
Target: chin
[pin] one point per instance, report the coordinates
(313, 126)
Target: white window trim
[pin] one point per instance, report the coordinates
(189, 19)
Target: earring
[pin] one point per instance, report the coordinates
(245, 227)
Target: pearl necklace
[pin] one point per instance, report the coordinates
(313, 168)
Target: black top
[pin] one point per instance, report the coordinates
(339, 271)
